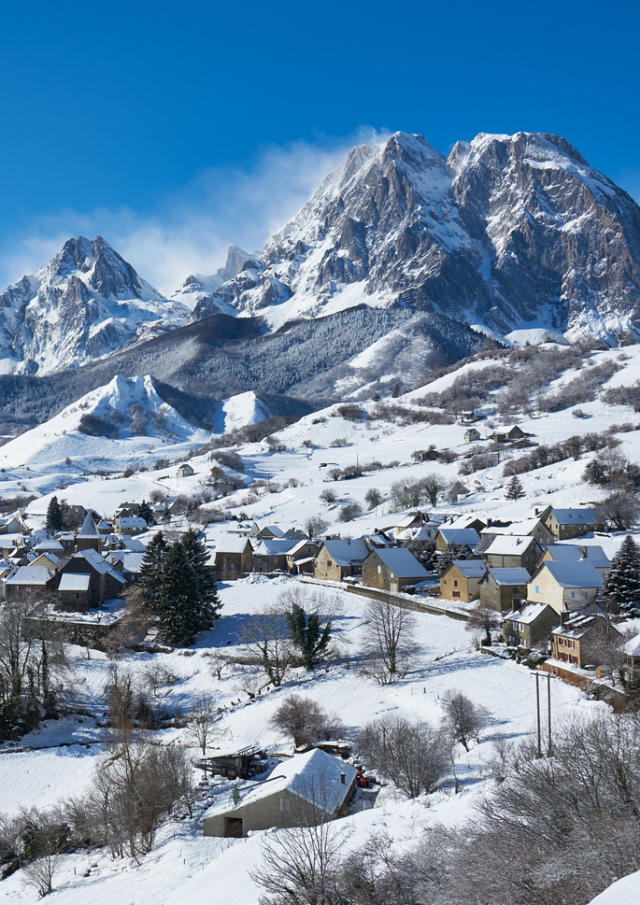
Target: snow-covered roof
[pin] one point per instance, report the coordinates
(576, 626)
(510, 545)
(299, 546)
(275, 546)
(573, 553)
(274, 529)
(467, 536)
(470, 568)
(401, 562)
(580, 574)
(99, 563)
(515, 575)
(575, 516)
(632, 647)
(131, 561)
(9, 541)
(409, 519)
(88, 527)
(314, 777)
(132, 544)
(345, 552)
(31, 575)
(132, 521)
(463, 521)
(74, 581)
(231, 543)
(426, 532)
(526, 526)
(56, 561)
(49, 545)
(527, 614)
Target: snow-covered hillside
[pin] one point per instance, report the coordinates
(85, 303)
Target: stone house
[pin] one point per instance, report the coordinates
(105, 581)
(300, 557)
(233, 557)
(471, 435)
(508, 434)
(29, 584)
(270, 554)
(392, 569)
(131, 524)
(11, 524)
(529, 626)
(503, 589)
(339, 559)
(462, 537)
(565, 586)
(632, 662)
(88, 536)
(270, 532)
(461, 580)
(511, 551)
(184, 471)
(567, 523)
(74, 591)
(578, 640)
(307, 788)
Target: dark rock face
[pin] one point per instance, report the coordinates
(508, 231)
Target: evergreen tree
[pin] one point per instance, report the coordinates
(54, 515)
(515, 490)
(151, 572)
(198, 557)
(308, 634)
(177, 602)
(622, 587)
(144, 511)
(452, 551)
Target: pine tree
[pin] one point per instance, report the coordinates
(177, 603)
(144, 511)
(515, 490)
(308, 634)
(151, 572)
(198, 557)
(622, 587)
(54, 515)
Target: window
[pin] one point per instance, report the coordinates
(573, 593)
(537, 589)
(455, 583)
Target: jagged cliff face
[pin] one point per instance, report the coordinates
(87, 302)
(508, 232)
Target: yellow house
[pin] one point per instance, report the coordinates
(461, 580)
(565, 586)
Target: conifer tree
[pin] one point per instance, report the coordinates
(198, 557)
(622, 587)
(54, 515)
(515, 490)
(308, 634)
(177, 603)
(144, 511)
(151, 572)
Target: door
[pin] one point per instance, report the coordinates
(233, 827)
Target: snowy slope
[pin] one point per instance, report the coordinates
(623, 892)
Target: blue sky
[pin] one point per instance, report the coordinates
(176, 128)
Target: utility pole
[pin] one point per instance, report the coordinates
(538, 714)
(549, 745)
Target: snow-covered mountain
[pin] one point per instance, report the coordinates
(507, 233)
(198, 288)
(87, 302)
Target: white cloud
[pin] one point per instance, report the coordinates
(189, 231)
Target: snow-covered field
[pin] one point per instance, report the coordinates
(189, 867)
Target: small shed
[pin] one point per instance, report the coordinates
(307, 788)
(185, 470)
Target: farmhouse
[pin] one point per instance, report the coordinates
(508, 551)
(471, 435)
(29, 583)
(579, 640)
(508, 434)
(300, 557)
(566, 523)
(462, 537)
(233, 557)
(105, 581)
(308, 788)
(131, 524)
(338, 559)
(461, 579)
(565, 586)
(270, 554)
(184, 470)
(392, 569)
(529, 626)
(503, 589)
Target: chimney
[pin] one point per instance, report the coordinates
(343, 778)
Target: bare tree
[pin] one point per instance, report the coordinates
(299, 864)
(463, 719)
(483, 619)
(389, 646)
(620, 510)
(202, 718)
(305, 721)
(267, 644)
(41, 872)
(413, 755)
